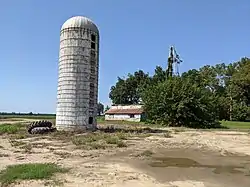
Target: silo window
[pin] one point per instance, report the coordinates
(93, 38)
(92, 45)
(90, 120)
(92, 70)
(91, 94)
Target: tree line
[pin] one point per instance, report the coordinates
(196, 98)
(100, 111)
(24, 114)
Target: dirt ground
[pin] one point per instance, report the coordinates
(179, 159)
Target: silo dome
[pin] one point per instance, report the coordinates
(80, 21)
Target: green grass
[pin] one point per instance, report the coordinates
(6, 117)
(100, 119)
(10, 128)
(236, 124)
(29, 171)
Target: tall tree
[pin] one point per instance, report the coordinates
(160, 75)
(239, 90)
(128, 91)
(100, 108)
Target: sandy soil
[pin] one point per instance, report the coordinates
(186, 159)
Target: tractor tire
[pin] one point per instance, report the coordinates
(42, 130)
(35, 124)
(39, 130)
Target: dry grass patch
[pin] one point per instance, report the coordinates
(99, 140)
(146, 153)
(63, 136)
(54, 183)
(102, 138)
(121, 144)
(62, 154)
(26, 147)
(3, 155)
(167, 135)
(31, 171)
(15, 143)
(179, 129)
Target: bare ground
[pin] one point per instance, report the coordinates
(177, 159)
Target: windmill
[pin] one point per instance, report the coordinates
(173, 63)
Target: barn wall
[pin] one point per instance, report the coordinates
(126, 107)
(125, 117)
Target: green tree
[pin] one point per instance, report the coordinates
(226, 89)
(239, 89)
(179, 102)
(106, 108)
(128, 91)
(160, 75)
(100, 108)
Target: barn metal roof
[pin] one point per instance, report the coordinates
(125, 111)
(80, 21)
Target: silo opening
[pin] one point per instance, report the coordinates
(93, 38)
(92, 45)
(90, 120)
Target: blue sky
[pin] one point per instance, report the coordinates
(134, 35)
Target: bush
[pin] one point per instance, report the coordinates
(240, 112)
(178, 102)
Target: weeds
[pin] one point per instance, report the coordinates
(27, 148)
(179, 129)
(20, 136)
(3, 155)
(112, 140)
(9, 128)
(28, 172)
(146, 153)
(62, 154)
(121, 144)
(122, 136)
(167, 135)
(96, 145)
(15, 143)
(99, 140)
(54, 183)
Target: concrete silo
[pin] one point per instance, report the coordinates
(78, 75)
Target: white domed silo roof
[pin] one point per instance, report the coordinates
(80, 21)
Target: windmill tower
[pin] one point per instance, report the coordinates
(173, 63)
